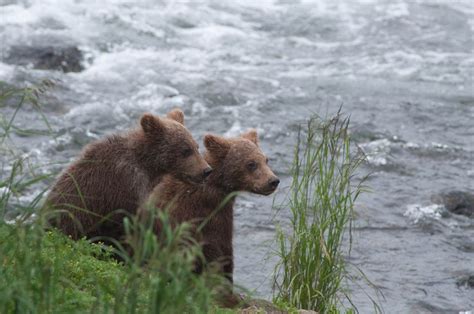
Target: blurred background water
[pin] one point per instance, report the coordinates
(403, 70)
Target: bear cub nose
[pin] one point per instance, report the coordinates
(207, 172)
(274, 183)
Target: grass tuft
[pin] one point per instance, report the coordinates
(311, 267)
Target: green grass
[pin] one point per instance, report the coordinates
(21, 98)
(49, 273)
(46, 272)
(312, 270)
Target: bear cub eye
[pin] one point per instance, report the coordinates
(187, 152)
(252, 166)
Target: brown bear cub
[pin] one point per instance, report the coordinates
(114, 175)
(238, 165)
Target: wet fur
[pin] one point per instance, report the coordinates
(114, 175)
(196, 202)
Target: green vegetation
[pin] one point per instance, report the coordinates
(46, 272)
(19, 98)
(311, 266)
(17, 173)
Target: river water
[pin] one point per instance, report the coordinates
(403, 70)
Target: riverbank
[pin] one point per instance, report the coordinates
(47, 272)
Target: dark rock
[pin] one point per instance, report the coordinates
(66, 59)
(183, 22)
(466, 281)
(254, 306)
(457, 202)
(367, 132)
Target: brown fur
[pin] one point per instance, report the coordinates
(233, 162)
(114, 175)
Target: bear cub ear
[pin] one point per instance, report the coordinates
(216, 145)
(251, 135)
(151, 124)
(176, 115)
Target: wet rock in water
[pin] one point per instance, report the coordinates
(457, 202)
(66, 59)
(258, 306)
(255, 306)
(183, 22)
(367, 132)
(466, 281)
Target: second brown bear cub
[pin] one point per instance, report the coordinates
(114, 175)
(238, 165)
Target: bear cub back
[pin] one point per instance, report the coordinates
(116, 174)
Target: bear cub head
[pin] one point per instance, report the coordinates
(171, 147)
(241, 163)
